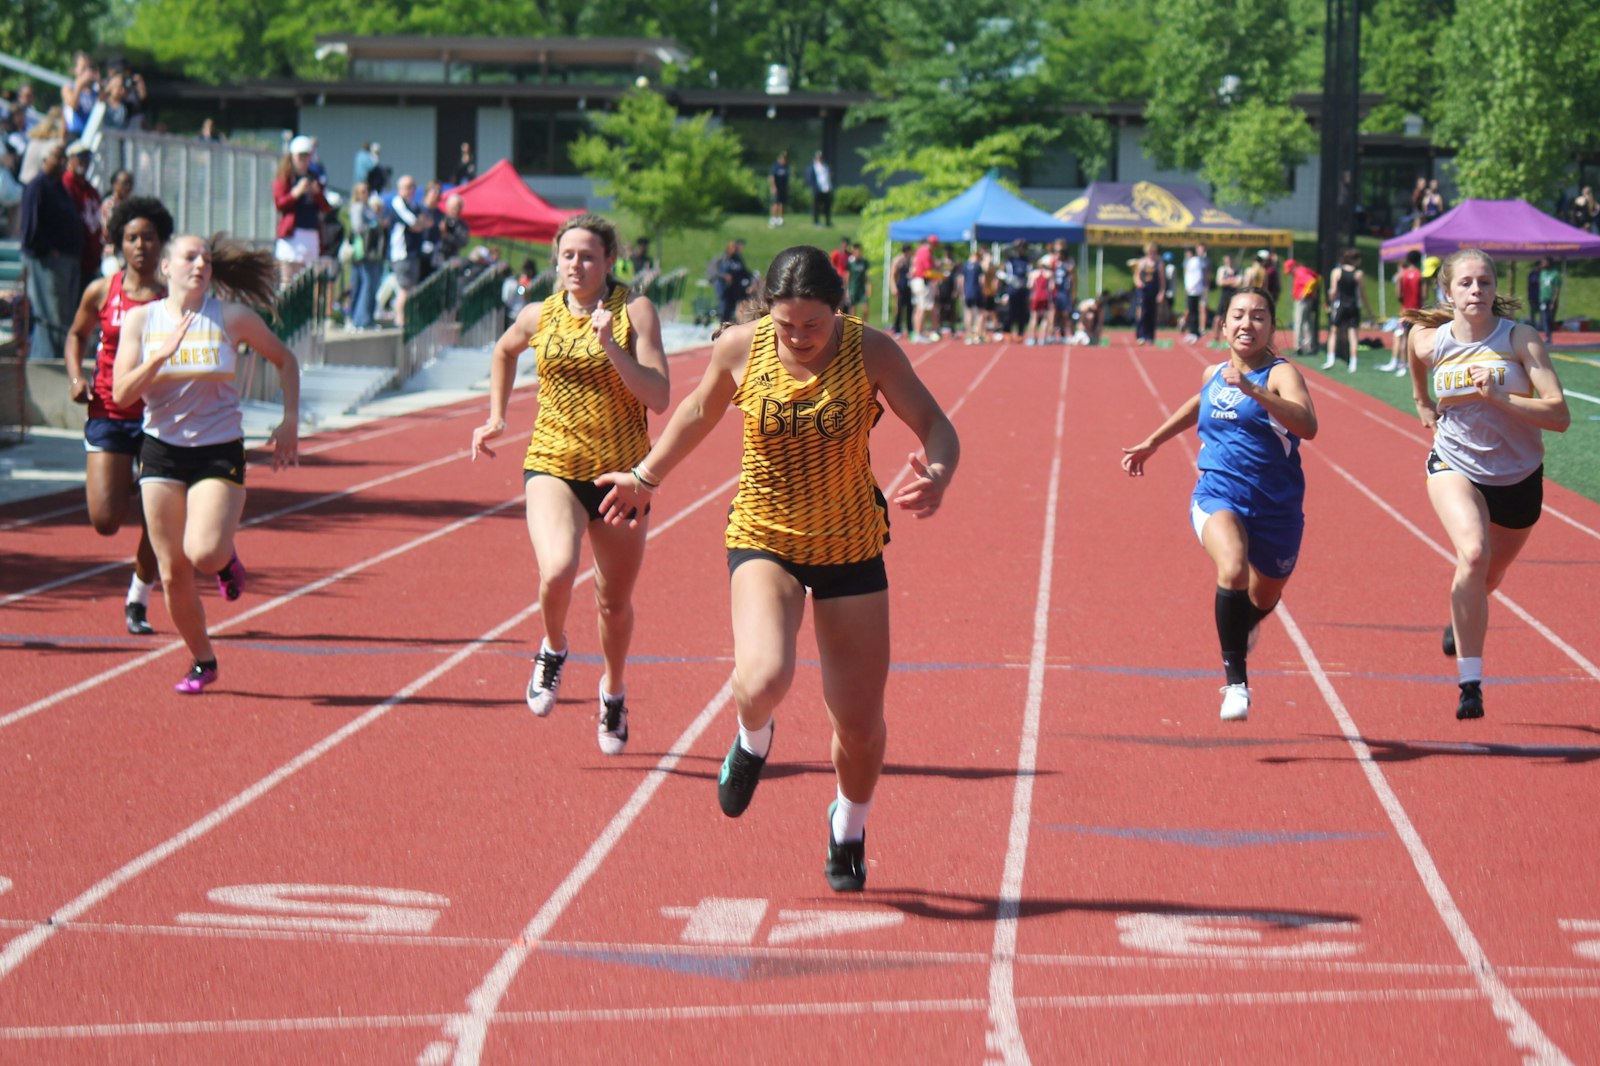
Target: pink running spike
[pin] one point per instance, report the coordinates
(196, 680)
(231, 579)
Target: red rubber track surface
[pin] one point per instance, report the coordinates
(1070, 857)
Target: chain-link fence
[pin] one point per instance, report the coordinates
(208, 186)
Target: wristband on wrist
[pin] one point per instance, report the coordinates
(641, 484)
(644, 474)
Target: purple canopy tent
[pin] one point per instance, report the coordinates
(1506, 229)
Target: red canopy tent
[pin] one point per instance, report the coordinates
(498, 203)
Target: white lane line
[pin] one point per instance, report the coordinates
(1004, 1037)
(19, 949)
(1449, 556)
(845, 956)
(122, 564)
(463, 1038)
(467, 1031)
(91, 683)
(44, 516)
(1412, 431)
(1523, 1032)
(721, 1012)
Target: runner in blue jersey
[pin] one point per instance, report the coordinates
(1253, 411)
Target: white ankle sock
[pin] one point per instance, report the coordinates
(544, 645)
(1469, 669)
(139, 591)
(849, 820)
(608, 697)
(757, 743)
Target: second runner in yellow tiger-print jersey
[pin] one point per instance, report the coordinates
(806, 490)
(588, 421)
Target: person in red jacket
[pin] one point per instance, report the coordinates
(297, 195)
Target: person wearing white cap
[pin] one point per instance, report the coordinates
(298, 196)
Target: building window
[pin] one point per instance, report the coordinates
(541, 141)
(425, 70)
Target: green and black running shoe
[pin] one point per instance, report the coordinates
(736, 784)
(847, 863)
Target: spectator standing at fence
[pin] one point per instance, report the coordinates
(49, 133)
(1196, 282)
(208, 131)
(139, 229)
(179, 355)
(52, 250)
(79, 95)
(24, 105)
(454, 233)
(514, 290)
(406, 226)
(602, 370)
(298, 197)
(466, 166)
(121, 189)
(87, 200)
(122, 107)
(820, 178)
(366, 264)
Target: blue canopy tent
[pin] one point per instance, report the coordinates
(986, 212)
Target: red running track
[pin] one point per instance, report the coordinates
(360, 847)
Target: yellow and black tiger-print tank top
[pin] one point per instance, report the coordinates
(806, 490)
(588, 421)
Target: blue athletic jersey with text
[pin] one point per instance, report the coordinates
(1246, 456)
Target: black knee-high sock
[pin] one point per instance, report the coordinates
(1235, 615)
(1257, 614)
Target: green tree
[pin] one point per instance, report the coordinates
(671, 174)
(47, 32)
(1515, 120)
(954, 74)
(1220, 98)
(1397, 50)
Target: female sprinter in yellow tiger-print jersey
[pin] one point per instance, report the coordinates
(808, 515)
(601, 366)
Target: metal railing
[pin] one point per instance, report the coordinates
(482, 314)
(430, 318)
(208, 186)
(299, 316)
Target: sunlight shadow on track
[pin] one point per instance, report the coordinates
(1400, 751)
(959, 907)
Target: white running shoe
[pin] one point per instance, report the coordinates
(1327, 364)
(545, 682)
(1235, 703)
(611, 725)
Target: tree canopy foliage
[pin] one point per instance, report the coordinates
(670, 174)
(1500, 81)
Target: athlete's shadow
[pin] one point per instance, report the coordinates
(1401, 751)
(775, 771)
(958, 907)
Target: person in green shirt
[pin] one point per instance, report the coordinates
(1549, 297)
(858, 282)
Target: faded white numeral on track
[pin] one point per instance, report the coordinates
(322, 908)
(1588, 949)
(1234, 936)
(5, 885)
